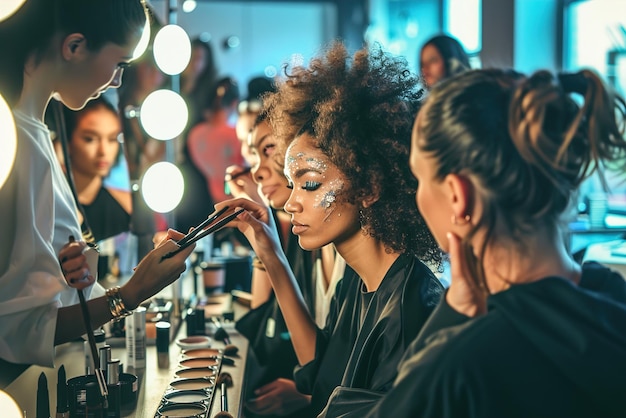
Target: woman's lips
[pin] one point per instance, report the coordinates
(298, 228)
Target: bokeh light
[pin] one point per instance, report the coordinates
(8, 141)
(164, 114)
(172, 49)
(162, 187)
(8, 7)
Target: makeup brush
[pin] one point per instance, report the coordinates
(92, 341)
(224, 377)
(224, 398)
(220, 334)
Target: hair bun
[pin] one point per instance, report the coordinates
(574, 82)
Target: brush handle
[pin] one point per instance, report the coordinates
(224, 397)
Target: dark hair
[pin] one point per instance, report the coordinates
(524, 142)
(455, 59)
(257, 88)
(223, 93)
(359, 112)
(31, 29)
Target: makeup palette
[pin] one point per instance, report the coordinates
(191, 390)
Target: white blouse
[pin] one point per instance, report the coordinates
(39, 215)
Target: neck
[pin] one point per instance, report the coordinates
(543, 255)
(87, 187)
(368, 258)
(37, 89)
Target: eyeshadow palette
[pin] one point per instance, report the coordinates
(190, 392)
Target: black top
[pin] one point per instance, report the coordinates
(544, 349)
(106, 217)
(361, 346)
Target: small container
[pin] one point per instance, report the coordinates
(186, 396)
(213, 275)
(186, 410)
(115, 390)
(199, 383)
(94, 408)
(104, 354)
(136, 338)
(129, 389)
(100, 338)
(163, 344)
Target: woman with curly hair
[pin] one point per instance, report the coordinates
(347, 125)
(523, 331)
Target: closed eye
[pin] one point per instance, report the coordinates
(311, 185)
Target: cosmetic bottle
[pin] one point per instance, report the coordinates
(136, 338)
(163, 344)
(99, 336)
(114, 388)
(104, 355)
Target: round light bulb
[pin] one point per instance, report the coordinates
(162, 187)
(164, 114)
(9, 408)
(8, 141)
(189, 6)
(172, 49)
(8, 7)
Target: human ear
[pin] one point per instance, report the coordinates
(460, 192)
(372, 197)
(74, 46)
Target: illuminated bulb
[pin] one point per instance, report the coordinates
(8, 141)
(162, 187)
(8, 7)
(8, 406)
(164, 114)
(143, 41)
(189, 6)
(172, 49)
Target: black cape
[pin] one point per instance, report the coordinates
(361, 345)
(544, 349)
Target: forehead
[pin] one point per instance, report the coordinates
(430, 51)
(304, 150)
(258, 134)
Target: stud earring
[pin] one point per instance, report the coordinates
(464, 220)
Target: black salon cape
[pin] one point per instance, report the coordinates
(272, 352)
(544, 349)
(364, 353)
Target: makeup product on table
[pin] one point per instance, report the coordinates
(43, 399)
(63, 408)
(94, 408)
(100, 339)
(224, 401)
(91, 337)
(114, 387)
(136, 338)
(221, 335)
(163, 344)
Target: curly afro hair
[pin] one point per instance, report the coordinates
(360, 112)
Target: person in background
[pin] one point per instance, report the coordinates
(442, 56)
(238, 179)
(73, 50)
(347, 124)
(212, 144)
(197, 79)
(524, 331)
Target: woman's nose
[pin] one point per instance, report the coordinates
(116, 81)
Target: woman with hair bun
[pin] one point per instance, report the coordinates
(523, 330)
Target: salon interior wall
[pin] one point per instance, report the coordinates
(269, 33)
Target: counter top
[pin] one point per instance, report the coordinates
(153, 382)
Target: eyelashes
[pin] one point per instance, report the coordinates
(308, 185)
(311, 185)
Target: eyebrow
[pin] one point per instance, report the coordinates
(258, 143)
(302, 171)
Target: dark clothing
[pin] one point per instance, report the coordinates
(544, 349)
(106, 217)
(370, 340)
(265, 328)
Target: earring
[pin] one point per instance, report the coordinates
(362, 220)
(465, 220)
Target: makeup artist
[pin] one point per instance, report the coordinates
(72, 49)
(347, 123)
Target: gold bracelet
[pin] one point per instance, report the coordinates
(116, 303)
(258, 264)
